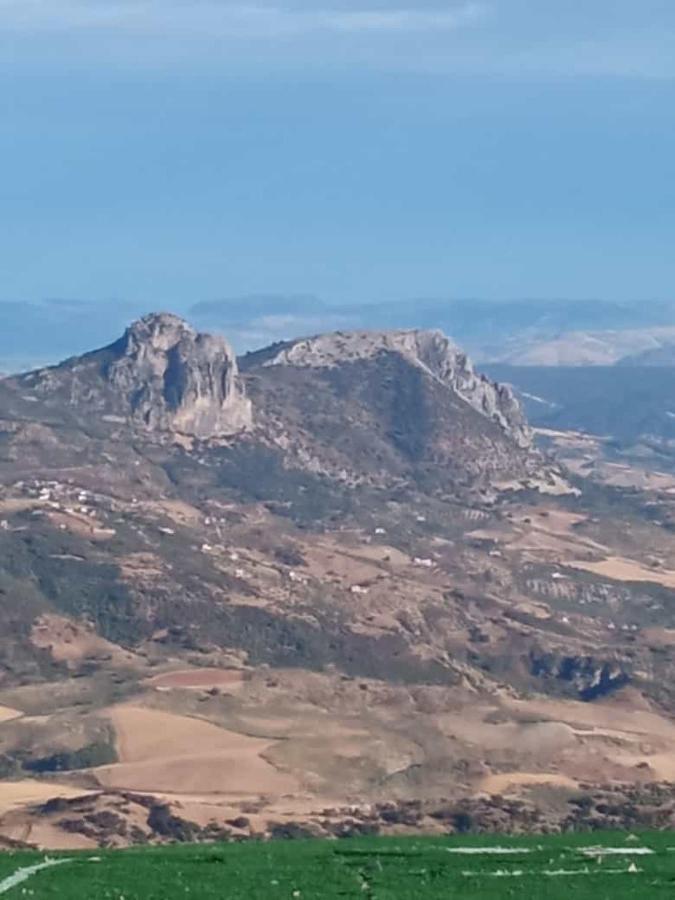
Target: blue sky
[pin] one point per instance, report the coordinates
(161, 153)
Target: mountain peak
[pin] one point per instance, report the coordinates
(430, 350)
(159, 330)
(176, 379)
(161, 376)
(334, 348)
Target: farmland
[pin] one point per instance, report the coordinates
(598, 865)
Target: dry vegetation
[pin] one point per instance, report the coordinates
(207, 634)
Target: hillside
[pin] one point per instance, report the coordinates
(631, 405)
(332, 573)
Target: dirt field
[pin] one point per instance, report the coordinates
(621, 569)
(660, 637)
(662, 765)
(597, 717)
(15, 794)
(7, 714)
(199, 679)
(161, 751)
(499, 784)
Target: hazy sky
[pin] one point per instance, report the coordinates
(167, 152)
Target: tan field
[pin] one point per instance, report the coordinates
(7, 714)
(660, 637)
(181, 512)
(21, 827)
(621, 569)
(662, 765)
(161, 751)
(598, 718)
(198, 679)
(16, 794)
(551, 536)
(499, 784)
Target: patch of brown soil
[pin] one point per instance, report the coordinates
(327, 561)
(7, 714)
(618, 568)
(536, 610)
(661, 765)
(71, 642)
(81, 525)
(660, 637)
(180, 512)
(202, 679)
(502, 782)
(611, 715)
(161, 751)
(141, 565)
(18, 504)
(15, 794)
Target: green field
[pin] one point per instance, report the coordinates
(597, 865)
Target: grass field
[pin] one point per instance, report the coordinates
(598, 866)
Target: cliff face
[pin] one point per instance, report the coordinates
(430, 351)
(380, 407)
(359, 407)
(174, 379)
(161, 376)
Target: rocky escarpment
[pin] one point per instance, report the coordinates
(176, 379)
(430, 351)
(161, 375)
(359, 408)
(378, 408)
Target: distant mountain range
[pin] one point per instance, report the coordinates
(518, 332)
(411, 398)
(630, 346)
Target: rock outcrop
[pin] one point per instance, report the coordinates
(175, 379)
(359, 407)
(161, 376)
(430, 351)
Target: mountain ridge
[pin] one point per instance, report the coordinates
(429, 349)
(373, 593)
(412, 397)
(161, 375)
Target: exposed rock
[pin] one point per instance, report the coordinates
(591, 677)
(430, 351)
(161, 375)
(178, 380)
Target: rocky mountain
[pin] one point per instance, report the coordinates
(489, 329)
(366, 407)
(161, 376)
(331, 574)
(355, 407)
(429, 351)
(35, 334)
